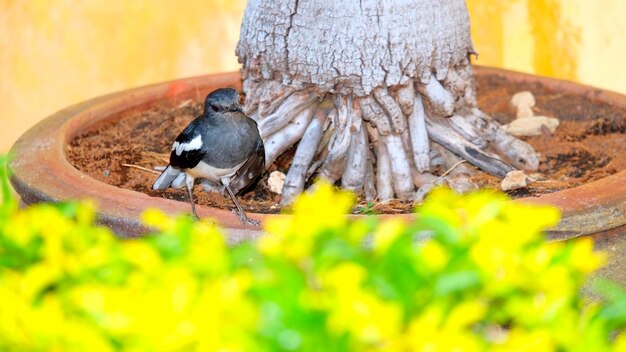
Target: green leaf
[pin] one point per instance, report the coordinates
(5, 187)
(456, 282)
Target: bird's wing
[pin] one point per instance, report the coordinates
(189, 147)
(250, 170)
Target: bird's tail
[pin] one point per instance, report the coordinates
(167, 176)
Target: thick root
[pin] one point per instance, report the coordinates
(369, 185)
(386, 144)
(383, 172)
(468, 131)
(405, 96)
(296, 177)
(278, 143)
(400, 168)
(373, 113)
(419, 135)
(286, 112)
(392, 108)
(440, 100)
(516, 151)
(454, 142)
(356, 165)
(334, 165)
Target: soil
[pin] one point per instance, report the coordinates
(588, 145)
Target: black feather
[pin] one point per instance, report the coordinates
(190, 159)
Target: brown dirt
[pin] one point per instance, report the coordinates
(588, 145)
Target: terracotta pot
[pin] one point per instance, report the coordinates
(41, 171)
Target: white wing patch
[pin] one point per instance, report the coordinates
(194, 144)
(206, 171)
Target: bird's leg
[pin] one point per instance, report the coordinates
(240, 213)
(189, 181)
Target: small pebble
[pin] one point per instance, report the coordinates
(514, 180)
(524, 102)
(460, 183)
(276, 181)
(531, 126)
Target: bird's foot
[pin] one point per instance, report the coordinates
(245, 219)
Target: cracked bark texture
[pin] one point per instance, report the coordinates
(387, 82)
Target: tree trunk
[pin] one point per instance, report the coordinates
(389, 79)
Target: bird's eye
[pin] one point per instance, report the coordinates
(215, 108)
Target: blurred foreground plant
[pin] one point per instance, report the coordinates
(471, 273)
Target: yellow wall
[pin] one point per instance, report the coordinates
(54, 53)
(578, 40)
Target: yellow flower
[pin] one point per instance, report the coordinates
(320, 210)
(386, 233)
(434, 255)
(157, 219)
(584, 258)
(465, 314)
(519, 340)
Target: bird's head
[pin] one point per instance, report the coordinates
(222, 100)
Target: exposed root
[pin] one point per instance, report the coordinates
(516, 151)
(440, 100)
(289, 110)
(405, 97)
(278, 143)
(384, 187)
(454, 142)
(453, 164)
(423, 191)
(468, 131)
(369, 185)
(373, 113)
(400, 168)
(322, 148)
(296, 177)
(406, 144)
(334, 165)
(356, 166)
(460, 183)
(392, 108)
(425, 178)
(419, 135)
(385, 144)
(437, 161)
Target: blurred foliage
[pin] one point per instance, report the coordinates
(471, 273)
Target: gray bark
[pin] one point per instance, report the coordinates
(352, 47)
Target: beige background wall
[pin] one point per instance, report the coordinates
(54, 53)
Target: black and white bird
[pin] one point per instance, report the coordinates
(222, 146)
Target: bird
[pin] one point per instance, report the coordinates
(222, 147)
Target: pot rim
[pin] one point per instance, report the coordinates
(41, 171)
